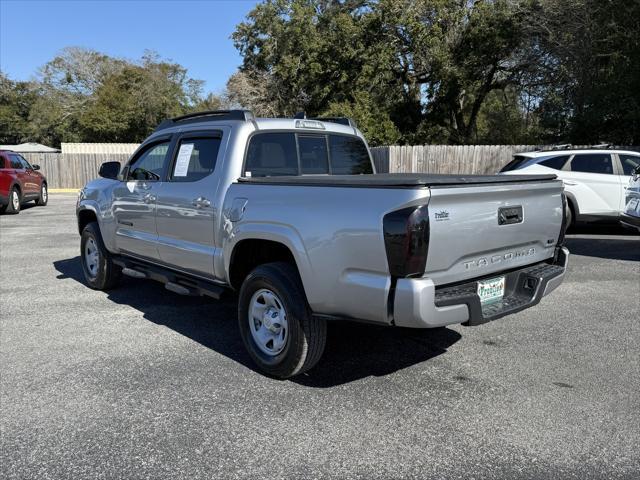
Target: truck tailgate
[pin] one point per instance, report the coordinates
(478, 230)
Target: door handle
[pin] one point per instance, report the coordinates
(149, 198)
(201, 202)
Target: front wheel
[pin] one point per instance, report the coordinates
(14, 201)
(99, 270)
(277, 327)
(42, 200)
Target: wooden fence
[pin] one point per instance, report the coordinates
(71, 170)
(65, 170)
(450, 159)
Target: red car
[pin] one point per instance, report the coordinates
(20, 182)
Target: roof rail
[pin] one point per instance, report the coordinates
(349, 122)
(603, 146)
(565, 146)
(242, 115)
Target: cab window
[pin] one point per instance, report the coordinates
(313, 154)
(289, 153)
(349, 156)
(150, 163)
(272, 154)
(195, 159)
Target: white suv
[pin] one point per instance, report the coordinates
(595, 179)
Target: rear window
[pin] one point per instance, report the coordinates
(514, 164)
(349, 156)
(313, 154)
(555, 162)
(289, 153)
(592, 163)
(272, 154)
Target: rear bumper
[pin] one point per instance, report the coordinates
(418, 303)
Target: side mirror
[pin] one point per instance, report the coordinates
(36, 167)
(109, 170)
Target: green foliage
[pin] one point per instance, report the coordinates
(85, 96)
(408, 71)
(16, 100)
(450, 71)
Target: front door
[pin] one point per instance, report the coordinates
(20, 169)
(595, 184)
(134, 201)
(31, 179)
(628, 163)
(186, 203)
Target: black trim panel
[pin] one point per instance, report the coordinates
(394, 180)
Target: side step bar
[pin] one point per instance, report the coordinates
(174, 281)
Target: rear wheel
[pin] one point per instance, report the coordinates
(277, 327)
(569, 217)
(99, 270)
(42, 200)
(14, 201)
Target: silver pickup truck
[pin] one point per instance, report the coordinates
(290, 214)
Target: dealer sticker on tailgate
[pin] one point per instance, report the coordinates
(491, 290)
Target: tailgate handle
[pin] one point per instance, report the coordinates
(509, 215)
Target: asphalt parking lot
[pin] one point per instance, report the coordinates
(143, 383)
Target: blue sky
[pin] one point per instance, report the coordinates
(192, 33)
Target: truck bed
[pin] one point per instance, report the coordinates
(394, 180)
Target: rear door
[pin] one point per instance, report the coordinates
(186, 206)
(592, 179)
(134, 200)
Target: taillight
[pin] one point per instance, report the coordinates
(406, 239)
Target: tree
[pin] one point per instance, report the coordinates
(83, 95)
(16, 100)
(592, 69)
(428, 65)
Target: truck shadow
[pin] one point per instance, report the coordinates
(618, 243)
(353, 351)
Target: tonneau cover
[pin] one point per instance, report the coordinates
(393, 180)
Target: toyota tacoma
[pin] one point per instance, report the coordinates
(290, 214)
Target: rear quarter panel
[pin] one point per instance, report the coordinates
(335, 235)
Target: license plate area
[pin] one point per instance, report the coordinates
(491, 290)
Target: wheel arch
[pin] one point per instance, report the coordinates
(249, 249)
(573, 204)
(85, 216)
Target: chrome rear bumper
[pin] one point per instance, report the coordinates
(418, 303)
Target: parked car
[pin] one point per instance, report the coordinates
(631, 214)
(287, 213)
(595, 179)
(20, 182)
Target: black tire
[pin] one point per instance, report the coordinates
(43, 199)
(13, 207)
(569, 217)
(307, 335)
(106, 275)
